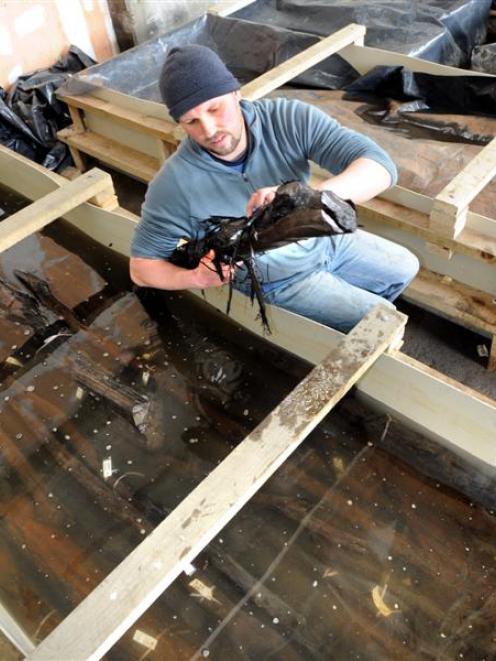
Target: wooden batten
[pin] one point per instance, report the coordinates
(365, 58)
(104, 616)
(53, 206)
(449, 212)
(227, 8)
(139, 121)
(34, 181)
(291, 68)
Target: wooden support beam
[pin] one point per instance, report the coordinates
(52, 206)
(467, 306)
(168, 131)
(34, 181)
(101, 619)
(288, 70)
(77, 119)
(491, 364)
(449, 211)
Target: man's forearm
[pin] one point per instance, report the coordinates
(361, 181)
(161, 274)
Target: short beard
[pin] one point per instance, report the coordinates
(229, 148)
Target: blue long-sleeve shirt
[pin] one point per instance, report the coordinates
(284, 136)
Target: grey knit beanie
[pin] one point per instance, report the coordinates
(191, 75)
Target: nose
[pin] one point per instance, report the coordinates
(208, 125)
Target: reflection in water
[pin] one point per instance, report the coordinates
(347, 552)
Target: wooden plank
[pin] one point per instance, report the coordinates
(125, 136)
(491, 365)
(479, 226)
(52, 206)
(78, 158)
(467, 306)
(96, 624)
(34, 181)
(288, 70)
(462, 267)
(161, 128)
(365, 58)
(127, 160)
(480, 247)
(146, 107)
(77, 119)
(227, 8)
(449, 212)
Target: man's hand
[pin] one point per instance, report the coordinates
(205, 275)
(260, 198)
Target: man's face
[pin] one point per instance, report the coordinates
(218, 126)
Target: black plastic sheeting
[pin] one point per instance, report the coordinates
(405, 120)
(31, 114)
(473, 95)
(442, 31)
(248, 49)
(484, 58)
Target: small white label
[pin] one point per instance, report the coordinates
(482, 350)
(107, 467)
(144, 639)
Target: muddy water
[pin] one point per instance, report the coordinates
(109, 417)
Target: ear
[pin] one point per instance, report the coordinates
(237, 95)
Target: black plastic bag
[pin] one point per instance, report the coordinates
(31, 114)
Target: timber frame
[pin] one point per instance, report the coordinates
(456, 247)
(147, 571)
(384, 378)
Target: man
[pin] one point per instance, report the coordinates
(235, 156)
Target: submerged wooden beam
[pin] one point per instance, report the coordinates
(14, 632)
(42, 212)
(291, 68)
(96, 624)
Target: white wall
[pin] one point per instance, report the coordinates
(150, 18)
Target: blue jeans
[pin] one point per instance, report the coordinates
(361, 270)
